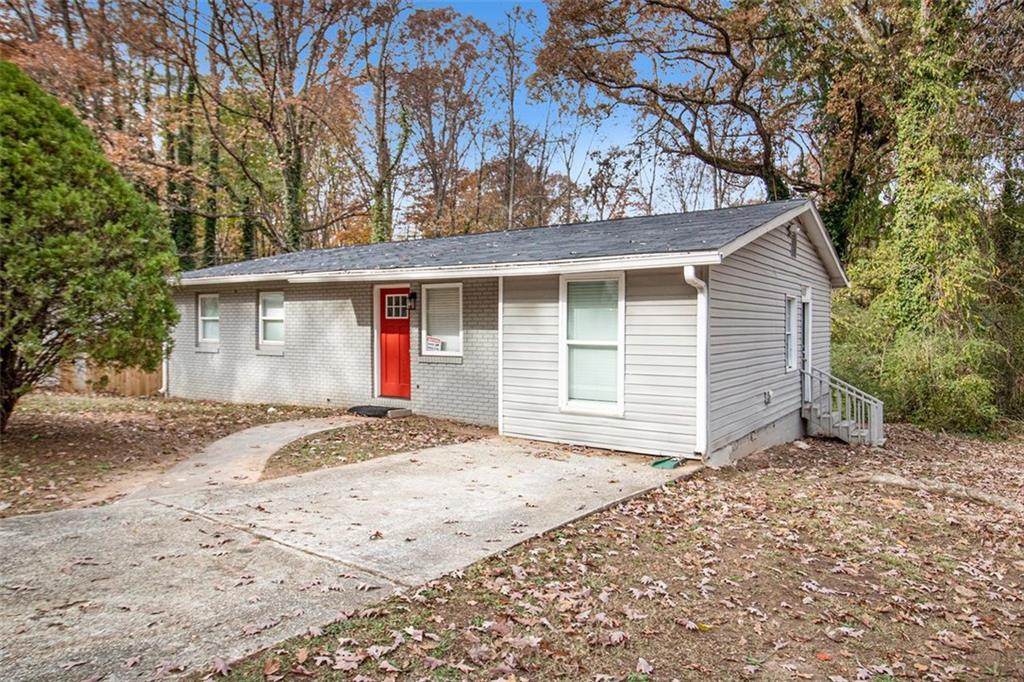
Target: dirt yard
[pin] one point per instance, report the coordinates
(64, 450)
(786, 567)
(375, 438)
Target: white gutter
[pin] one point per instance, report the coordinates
(690, 275)
(567, 265)
(501, 356)
(164, 372)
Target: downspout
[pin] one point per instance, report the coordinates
(690, 275)
(164, 373)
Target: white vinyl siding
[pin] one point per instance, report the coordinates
(442, 319)
(659, 355)
(208, 309)
(747, 345)
(271, 306)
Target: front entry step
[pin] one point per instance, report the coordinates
(380, 411)
(834, 409)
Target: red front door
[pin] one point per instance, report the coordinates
(394, 343)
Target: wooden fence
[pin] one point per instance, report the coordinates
(81, 376)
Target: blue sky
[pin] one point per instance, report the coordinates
(616, 131)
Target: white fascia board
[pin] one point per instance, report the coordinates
(636, 262)
(816, 232)
(755, 234)
(232, 279)
(819, 235)
(565, 266)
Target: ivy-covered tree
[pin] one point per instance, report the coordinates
(85, 260)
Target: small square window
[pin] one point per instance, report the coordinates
(396, 306)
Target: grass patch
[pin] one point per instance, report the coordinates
(367, 440)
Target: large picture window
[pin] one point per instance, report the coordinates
(209, 318)
(271, 318)
(442, 319)
(591, 353)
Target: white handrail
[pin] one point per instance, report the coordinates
(857, 409)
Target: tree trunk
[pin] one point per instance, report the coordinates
(775, 185)
(248, 230)
(183, 226)
(942, 264)
(7, 404)
(213, 156)
(380, 213)
(212, 204)
(65, 18)
(9, 384)
(293, 181)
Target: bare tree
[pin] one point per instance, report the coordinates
(444, 85)
(285, 76)
(511, 48)
(704, 61)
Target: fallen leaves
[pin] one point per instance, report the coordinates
(64, 450)
(221, 667)
(774, 569)
(374, 438)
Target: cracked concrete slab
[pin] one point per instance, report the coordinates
(181, 579)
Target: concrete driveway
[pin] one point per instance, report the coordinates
(151, 588)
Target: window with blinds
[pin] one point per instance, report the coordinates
(790, 333)
(591, 371)
(271, 317)
(209, 318)
(442, 319)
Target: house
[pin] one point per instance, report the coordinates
(701, 334)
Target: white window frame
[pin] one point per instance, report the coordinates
(593, 407)
(426, 289)
(259, 314)
(405, 307)
(200, 319)
(790, 315)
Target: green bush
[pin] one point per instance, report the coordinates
(85, 260)
(938, 380)
(941, 381)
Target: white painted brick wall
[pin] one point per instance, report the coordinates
(327, 357)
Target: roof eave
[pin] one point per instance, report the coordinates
(816, 232)
(524, 268)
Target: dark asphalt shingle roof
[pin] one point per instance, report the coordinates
(669, 233)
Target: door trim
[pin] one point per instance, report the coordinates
(375, 360)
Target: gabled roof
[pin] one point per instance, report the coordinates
(699, 237)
